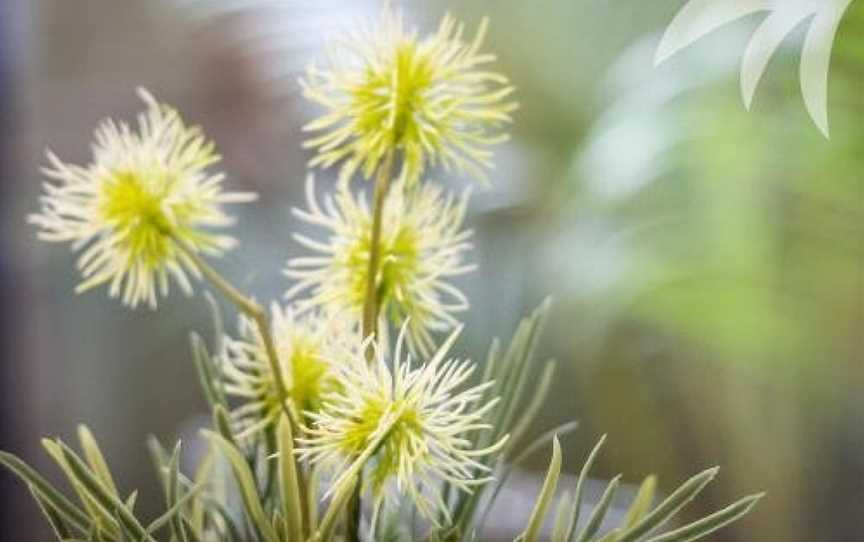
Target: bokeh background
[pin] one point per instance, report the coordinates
(707, 264)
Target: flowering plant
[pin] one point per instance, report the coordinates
(330, 429)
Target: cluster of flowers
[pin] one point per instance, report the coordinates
(144, 212)
(312, 403)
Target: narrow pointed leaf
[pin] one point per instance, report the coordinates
(206, 371)
(95, 458)
(642, 502)
(670, 506)
(160, 460)
(173, 494)
(223, 425)
(202, 478)
(69, 511)
(334, 510)
(102, 494)
(562, 516)
(312, 499)
(58, 525)
(166, 518)
(190, 529)
(101, 516)
(550, 484)
(507, 469)
(246, 482)
(131, 500)
(580, 486)
(595, 520)
(707, 525)
(288, 481)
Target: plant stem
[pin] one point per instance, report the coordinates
(371, 302)
(258, 314)
(371, 309)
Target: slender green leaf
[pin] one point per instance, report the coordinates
(562, 516)
(595, 520)
(642, 502)
(160, 459)
(670, 506)
(550, 484)
(611, 536)
(246, 482)
(125, 532)
(131, 500)
(222, 424)
(508, 373)
(205, 367)
(101, 516)
(312, 499)
(507, 469)
(95, 458)
(232, 533)
(190, 529)
(102, 494)
(522, 351)
(580, 486)
(289, 483)
(58, 525)
(271, 468)
(162, 462)
(334, 510)
(71, 513)
(172, 494)
(202, 478)
(544, 439)
(707, 525)
(167, 517)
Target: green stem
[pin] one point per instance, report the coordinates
(258, 314)
(371, 310)
(371, 301)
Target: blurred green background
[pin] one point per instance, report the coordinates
(706, 263)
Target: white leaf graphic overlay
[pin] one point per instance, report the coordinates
(700, 17)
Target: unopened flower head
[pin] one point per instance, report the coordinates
(145, 194)
(431, 99)
(422, 246)
(417, 420)
(307, 345)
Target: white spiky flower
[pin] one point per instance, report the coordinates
(416, 419)
(422, 247)
(431, 99)
(308, 346)
(145, 194)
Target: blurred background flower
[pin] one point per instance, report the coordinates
(707, 263)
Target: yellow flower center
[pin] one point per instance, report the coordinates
(400, 256)
(401, 439)
(137, 214)
(395, 97)
(310, 376)
(406, 431)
